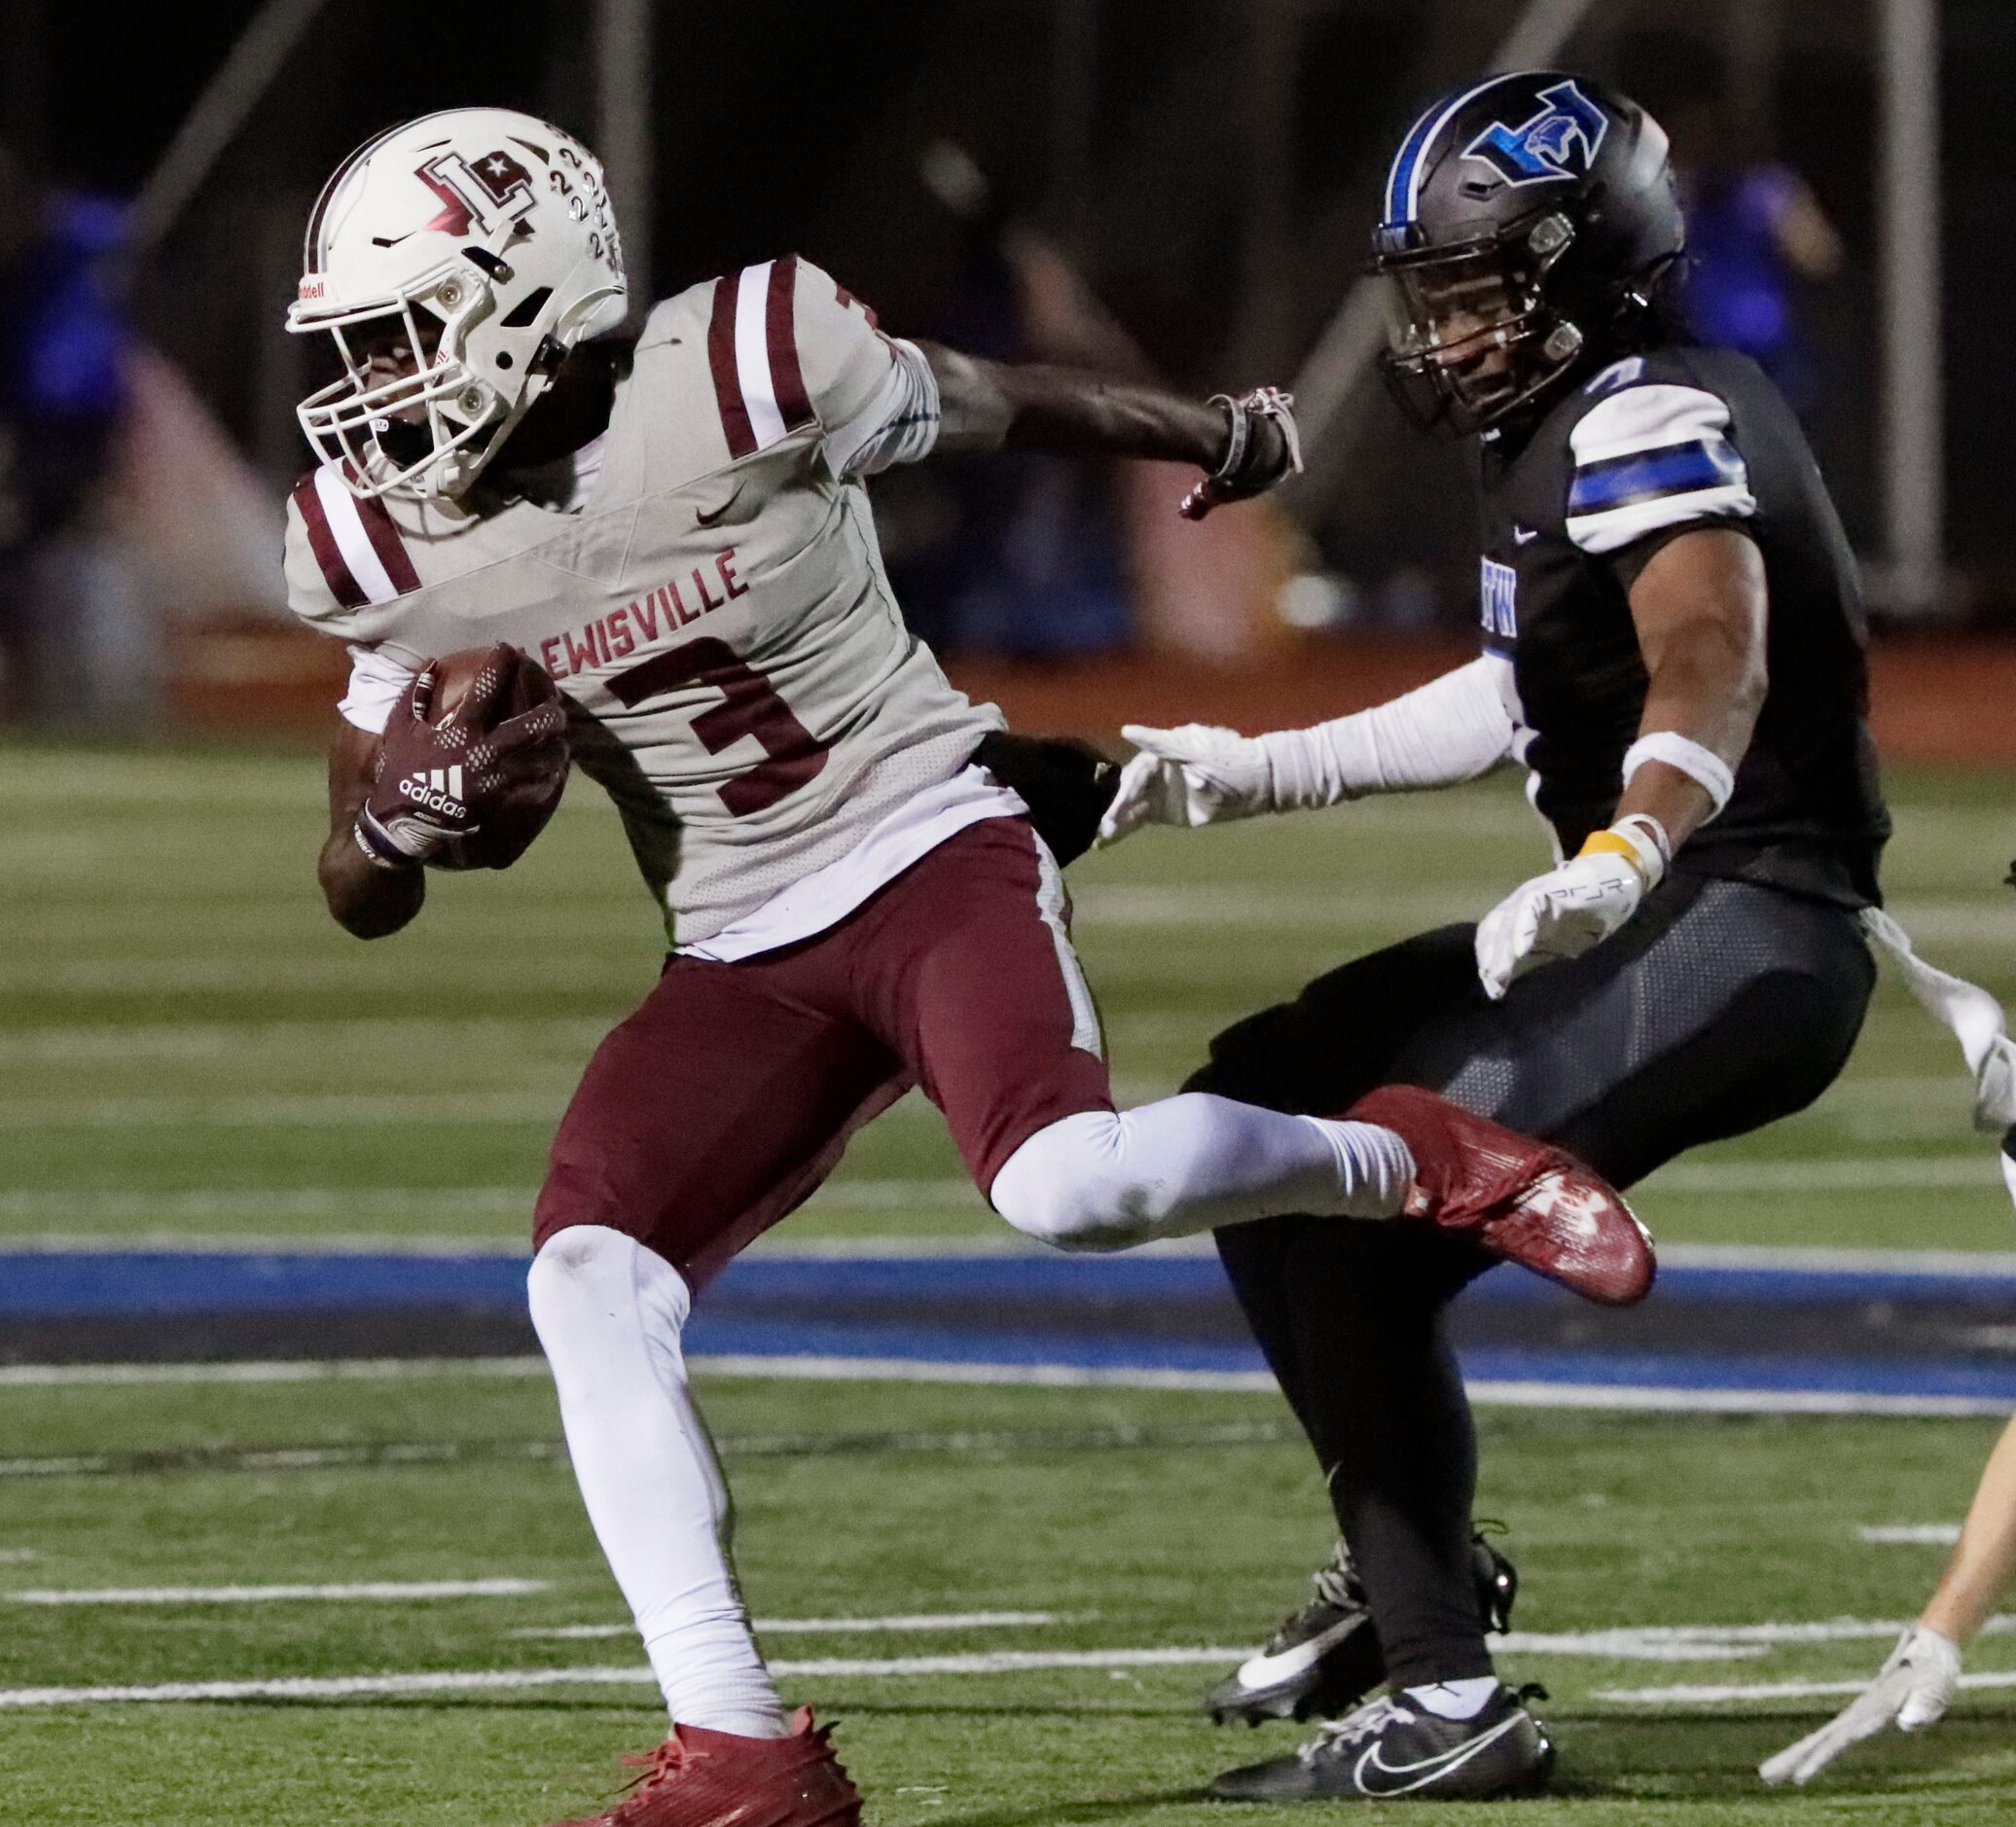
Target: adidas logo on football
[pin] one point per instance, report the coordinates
(438, 789)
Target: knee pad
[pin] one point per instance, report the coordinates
(1066, 1187)
(600, 1293)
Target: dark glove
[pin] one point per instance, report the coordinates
(438, 783)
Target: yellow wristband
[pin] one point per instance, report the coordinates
(1609, 842)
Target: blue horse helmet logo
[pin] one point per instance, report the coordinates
(1559, 143)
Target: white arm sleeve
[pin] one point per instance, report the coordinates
(898, 423)
(377, 682)
(1451, 730)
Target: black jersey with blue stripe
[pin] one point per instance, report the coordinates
(1649, 448)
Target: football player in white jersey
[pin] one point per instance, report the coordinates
(676, 527)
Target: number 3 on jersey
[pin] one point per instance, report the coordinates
(752, 707)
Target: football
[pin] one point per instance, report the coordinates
(482, 688)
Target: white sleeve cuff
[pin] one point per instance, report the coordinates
(1448, 731)
(898, 423)
(377, 682)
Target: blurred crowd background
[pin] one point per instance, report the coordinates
(1178, 188)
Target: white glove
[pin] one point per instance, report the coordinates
(1560, 914)
(1193, 775)
(1912, 1693)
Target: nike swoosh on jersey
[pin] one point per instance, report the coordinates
(1419, 1775)
(703, 518)
(1524, 535)
(1263, 1671)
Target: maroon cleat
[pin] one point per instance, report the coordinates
(1528, 1202)
(702, 1779)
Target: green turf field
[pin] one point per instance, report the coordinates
(1132, 1523)
(188, 1043)
(190, 1051)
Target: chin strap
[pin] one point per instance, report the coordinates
(1975, 1019)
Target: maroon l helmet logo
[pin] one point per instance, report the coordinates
(491, 188)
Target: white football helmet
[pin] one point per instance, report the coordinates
(481, 239)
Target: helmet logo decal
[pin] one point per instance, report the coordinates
(473, 192)
(1558, 144)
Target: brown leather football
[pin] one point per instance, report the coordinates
(518, 788)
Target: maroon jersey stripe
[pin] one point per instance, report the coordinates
(728, 388)
(846, 298)
(780, 332)
(388, 543)
(322, 542)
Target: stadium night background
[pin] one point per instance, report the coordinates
(287, 1527)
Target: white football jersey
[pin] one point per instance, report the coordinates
(714, 610)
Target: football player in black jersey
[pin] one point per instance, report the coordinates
(1674, 647)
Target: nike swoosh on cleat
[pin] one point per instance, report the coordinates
(1264, 1671)
(708, 519)
(1429, 1769)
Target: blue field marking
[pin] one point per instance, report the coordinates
(1141, 1313)
(108, 1284)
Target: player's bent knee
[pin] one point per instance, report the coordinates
(581, 1271)
(1068, 1186)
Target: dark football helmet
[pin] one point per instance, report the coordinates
(1528, 224)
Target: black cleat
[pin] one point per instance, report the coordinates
(1390, 1750)
(1325, 1658)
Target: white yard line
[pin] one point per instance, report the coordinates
(1039, 1375)
(374, 1591)
(173, 1206)
(122, 1043)
(1651, 1642)
(1853, 1174)
(1658, 1401)
(277, 1371)
(273, 1243)
(353, 1687)
(1909, 1534)
(1711, 1642)
(1828, 1260)
(836, 1627)
(1691, 1696)
(1523, 1395)
(308, 1110)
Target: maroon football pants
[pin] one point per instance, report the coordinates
(729, 1095)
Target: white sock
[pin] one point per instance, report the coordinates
(1103, 1181)
(1454, 1699)
(609, 1313)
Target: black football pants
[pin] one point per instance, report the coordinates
(1722, 1007)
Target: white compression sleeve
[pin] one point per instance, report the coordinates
(1102, 1180)
(609, 1313)
(1451, 730)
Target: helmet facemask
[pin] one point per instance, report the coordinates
(408, 415)
(1471, 333)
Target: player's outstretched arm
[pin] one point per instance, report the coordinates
(1245, 445)
(368, 896)
(1701, 609)
(1448, 731)
(1918, 1681)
